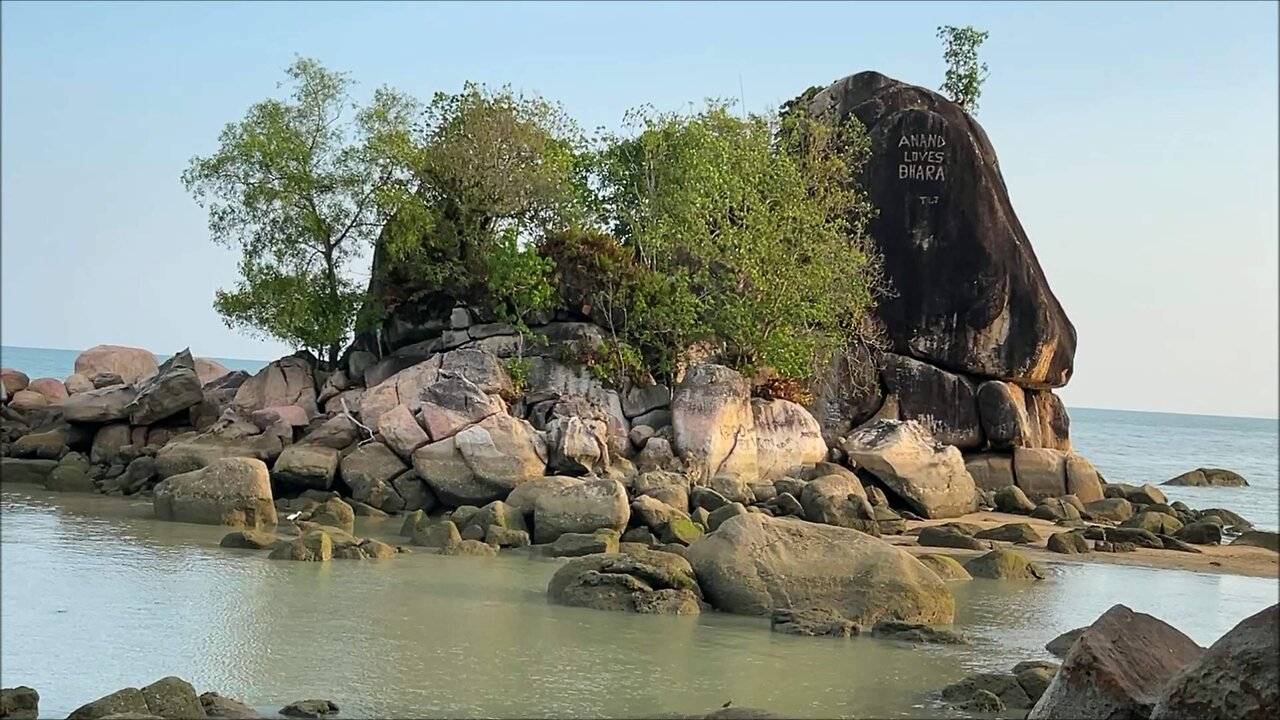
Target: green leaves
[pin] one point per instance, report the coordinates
(302, 186)
(965, 75)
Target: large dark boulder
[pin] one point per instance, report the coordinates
(945, 400)
(970, 294)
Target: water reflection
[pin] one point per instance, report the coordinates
(97, 596)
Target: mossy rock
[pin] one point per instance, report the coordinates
(1005, 564)
(681, 530)
(945, 567)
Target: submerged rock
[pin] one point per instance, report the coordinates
(1208, 477)
(917, 633)
(1004, 686)
(309, 708)
(811, 622)
(642, 581)
(753, 564)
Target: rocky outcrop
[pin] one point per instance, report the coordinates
(99, 406)
(169, 697)
(930, 477)
(287, 381)
(1238, 677)
(19, 703)
(752, 564)
(1116, 668)
(970, 293)
(230, 491)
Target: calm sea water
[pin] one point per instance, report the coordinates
(98, 595)
(1126, 446)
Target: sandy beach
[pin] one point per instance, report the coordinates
(1217, 559)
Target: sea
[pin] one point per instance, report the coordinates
(1125, 445)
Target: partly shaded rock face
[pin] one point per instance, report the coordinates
(929, 394)
(752, 564)
(1117, 668)
(787, 438)
(231, 491)
(927, 475)
(129, 363)
(1237, 677)
(714, 425)
(970, 293)
(287, 381)
(643, 581)
(174, 388)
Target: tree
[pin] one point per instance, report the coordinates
(486, 173)
(965, 75)
(298, 186)
(755, 228)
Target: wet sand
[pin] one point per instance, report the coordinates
(1218, 559)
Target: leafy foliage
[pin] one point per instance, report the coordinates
(755, 221)
(965, 74)
(293, 186)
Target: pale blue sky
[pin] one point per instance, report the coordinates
(1138, 141)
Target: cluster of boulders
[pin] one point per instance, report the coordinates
(169, 698)
(1129, 664)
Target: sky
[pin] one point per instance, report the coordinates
(1138, 142)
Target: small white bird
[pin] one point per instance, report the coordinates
(293, 516)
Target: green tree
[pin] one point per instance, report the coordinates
(298, 185)
(754, 228)
(486, 172)
(965, 74)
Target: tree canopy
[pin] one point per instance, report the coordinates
(744, 235)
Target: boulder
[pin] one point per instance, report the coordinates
(192, 452)
(1004, 686)
(752, 564)
(1238, 677)
(642, 581)
(811, 622)
(49, 445)
(1113, 509)
(723, 515)
(1153, 522)
(312, 546)
(1016, 533)
(1068, 543)
(1201, 532)
(579, 544)
(1055, 509)
(289, 415)
(946, 402)
(713, 423)
(973, 299)
(309, 708)
(1208, 477)
(19, 703)
(231, 491)
(669, 487)
(471, 548)
(217, 706)
(413, 492)
(287, 381)
(125, 701)
(788, 438)
(1041, 473)
(581, 508)
(209, 370)
(1002, 408)
(26, 472)
(1082, 479)
(1117, 668)
(105, 405)
(370, 471)
(174, 388)
(13, 380)
(1005, 564)
(307, 466)
(929, 477)
(654, 513)
(28, 400)
(131, 364)
(435, 534)
(401, 432)
(943, 536)
(334, 513)
(249, 539)
(1062, 644)
(524, 497)
(1259, 538)
(482, 368)
(484, 462)
(577, 446)
(453, 402)
(837, 500)
(1147, 494)
(52, 389)
(1013, 500)
(917, 633)
(71, 475)
(990, 471)
(945, 567)
(77, 383)
(639, 400)
(658, 455)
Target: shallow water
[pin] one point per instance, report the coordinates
(96, 595)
